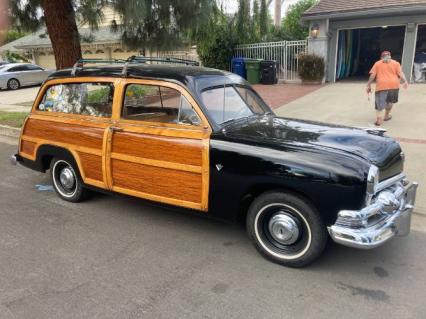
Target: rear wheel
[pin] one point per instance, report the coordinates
(286, 229)
(13, 84)
(66, 180)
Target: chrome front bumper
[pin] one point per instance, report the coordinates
(387, 216)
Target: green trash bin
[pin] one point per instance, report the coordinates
(253, 71)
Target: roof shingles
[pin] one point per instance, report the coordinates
(335, 6)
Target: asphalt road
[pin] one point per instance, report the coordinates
(118, 257)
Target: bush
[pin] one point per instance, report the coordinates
(311, 67)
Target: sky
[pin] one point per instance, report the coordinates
(231, 6)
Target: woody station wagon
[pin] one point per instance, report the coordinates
(204, 140)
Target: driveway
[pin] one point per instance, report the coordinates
(118, 257)
(17, 101)
(347, 104)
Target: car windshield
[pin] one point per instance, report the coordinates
(226, 103)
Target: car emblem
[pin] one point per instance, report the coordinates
(219, 167)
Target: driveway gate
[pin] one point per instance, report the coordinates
(286, 53)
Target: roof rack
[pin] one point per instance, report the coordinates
(143, 59)
(133, 59)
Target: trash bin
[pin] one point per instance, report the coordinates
(268, 72)
(239, 67)
(253, 71)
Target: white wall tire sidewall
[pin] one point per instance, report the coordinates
(265, 246)
(58, 188)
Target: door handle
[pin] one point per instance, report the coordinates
(115, 129)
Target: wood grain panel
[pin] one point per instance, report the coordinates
(91, 166)
(65, 133)
(169, 183)
(162, 148)
(28, 147)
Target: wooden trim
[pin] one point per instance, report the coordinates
(157, 163)
(106, 158)
(73, 149)
(157, 198)
(163, 131)
(95, 183)
(77, 148)
(83, 120)
(205, 175)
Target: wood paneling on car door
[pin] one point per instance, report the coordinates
(162, 168)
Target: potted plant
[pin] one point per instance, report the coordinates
(311, 68)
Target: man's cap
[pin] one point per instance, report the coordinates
(385, 53)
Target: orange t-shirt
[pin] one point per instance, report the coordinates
(387, 75)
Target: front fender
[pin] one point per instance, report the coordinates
(331, 181)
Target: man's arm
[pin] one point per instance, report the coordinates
(404, 80)
(370, 80)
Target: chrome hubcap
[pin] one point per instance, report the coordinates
(284, 228)
(67, 178)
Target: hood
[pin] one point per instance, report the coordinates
(381, 151)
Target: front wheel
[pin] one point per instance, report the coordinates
(13, 84)
(286, 229)
(66, 182)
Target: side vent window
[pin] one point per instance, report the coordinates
(94, 99)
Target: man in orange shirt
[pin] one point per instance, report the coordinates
(388, 76)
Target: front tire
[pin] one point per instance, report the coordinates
(66, 180)
(286, 229)
(13, 84)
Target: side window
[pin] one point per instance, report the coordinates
(33, 67)
(154, 103)
(79, 98)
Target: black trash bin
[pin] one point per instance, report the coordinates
(268, 72)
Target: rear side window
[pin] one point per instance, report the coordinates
(160, 104)
(93, 99)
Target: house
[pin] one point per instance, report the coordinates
(351, 34)
(95, 44)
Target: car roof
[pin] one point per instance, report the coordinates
(11, 65)
(191, 76)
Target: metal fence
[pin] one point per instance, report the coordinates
(186, 55)
(286, 53)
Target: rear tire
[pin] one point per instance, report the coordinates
(13, 84)
(66, 180)
(286, 229)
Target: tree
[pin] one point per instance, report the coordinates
(291, 22)
(160, 24)
(216, 41)
(151, 23)
(263, 19)
(243, 21)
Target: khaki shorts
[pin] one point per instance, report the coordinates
(383, 98)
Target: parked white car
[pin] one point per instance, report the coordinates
(15, 75)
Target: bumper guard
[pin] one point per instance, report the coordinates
(388, 216)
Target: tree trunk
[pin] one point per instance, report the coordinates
(63, 32)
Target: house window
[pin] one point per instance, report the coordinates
(87, 52)
(79, 98)
(99, 51)
(118, 51)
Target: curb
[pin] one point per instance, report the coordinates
(10, 131)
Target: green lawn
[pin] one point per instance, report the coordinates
(15, 119)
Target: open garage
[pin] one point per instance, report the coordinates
(350, 36)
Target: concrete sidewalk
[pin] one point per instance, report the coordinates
(347, 104)
(15, 101)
